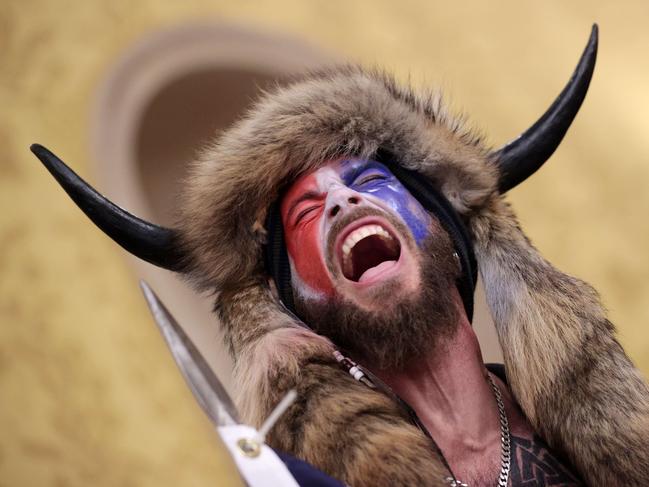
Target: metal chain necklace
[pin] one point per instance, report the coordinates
(505, 442)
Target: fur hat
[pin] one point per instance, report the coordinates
(564, 366)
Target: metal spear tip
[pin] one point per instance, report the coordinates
(208, 390)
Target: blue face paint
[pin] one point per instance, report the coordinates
(373, 178)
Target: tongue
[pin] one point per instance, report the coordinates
(376, 270)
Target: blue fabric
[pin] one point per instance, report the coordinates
(307, 475)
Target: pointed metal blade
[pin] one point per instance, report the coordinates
(207, 388)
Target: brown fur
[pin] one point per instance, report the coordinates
(338, 424)
(567, 371)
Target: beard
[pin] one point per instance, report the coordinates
(403, 328)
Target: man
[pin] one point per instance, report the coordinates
(376, 273)
(346, 215)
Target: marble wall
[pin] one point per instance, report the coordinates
(88, 392)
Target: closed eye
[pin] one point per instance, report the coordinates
(370, 178)
(306, 212)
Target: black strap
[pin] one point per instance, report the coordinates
(433, 201)
(276, 257)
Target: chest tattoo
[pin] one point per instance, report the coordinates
(533, 465)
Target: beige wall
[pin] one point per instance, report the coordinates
(88, 393)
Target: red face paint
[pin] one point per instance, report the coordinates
(302, 208)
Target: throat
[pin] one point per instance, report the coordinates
(448, 386)
(454, 401)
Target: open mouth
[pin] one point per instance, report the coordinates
(368, 251)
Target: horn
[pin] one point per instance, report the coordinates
(520, 158)
(155, 244)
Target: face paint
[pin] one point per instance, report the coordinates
(373, 178)
(302, 209)
(367, 183)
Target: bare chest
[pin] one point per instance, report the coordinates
(533, 464)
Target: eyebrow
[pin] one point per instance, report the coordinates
(309, 195)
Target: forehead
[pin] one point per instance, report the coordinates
(313, 182)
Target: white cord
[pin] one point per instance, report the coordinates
(280, 409)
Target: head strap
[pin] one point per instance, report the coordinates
(276, 257)
(435, 202)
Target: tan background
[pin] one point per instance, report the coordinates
(88, 392)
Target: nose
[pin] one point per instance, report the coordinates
(341, 200)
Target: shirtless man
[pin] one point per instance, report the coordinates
(375, 272)
(345, 219)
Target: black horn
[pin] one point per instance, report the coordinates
(155, 244)
(523, 156)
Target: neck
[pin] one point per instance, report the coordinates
(449, 391)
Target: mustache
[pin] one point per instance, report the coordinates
(339, 225)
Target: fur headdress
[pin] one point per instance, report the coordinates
(566, 369)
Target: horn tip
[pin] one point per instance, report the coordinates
(594, 33)
(37, 149)
(45, 155)
(49, 160)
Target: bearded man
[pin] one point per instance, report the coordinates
(376, 273)
(345, 219)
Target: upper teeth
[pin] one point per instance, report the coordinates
(360, 233)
